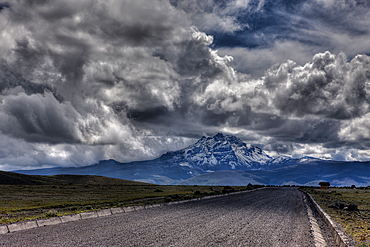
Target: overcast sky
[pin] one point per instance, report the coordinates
(82, 81)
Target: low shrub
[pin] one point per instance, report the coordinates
(51, 213)
(188, 197)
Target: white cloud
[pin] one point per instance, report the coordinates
(255, 61)
(208, 16)
(328, 86)
(356, 130)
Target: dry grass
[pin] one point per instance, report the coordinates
(24, 202)
(355, 223)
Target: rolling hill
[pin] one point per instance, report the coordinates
(12, 178)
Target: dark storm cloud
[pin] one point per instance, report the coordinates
(39, 118)
(137, 34)
(263, 121)
(4, 5)
(71, 61)
(280, 148)
(243, 118)
(90, 80)
(197, 60)
(11, 78)
(28, 57)
(154, 115)
(325, 131)
(71, 80)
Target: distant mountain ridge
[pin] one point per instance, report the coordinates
(308, 172)
(224, 160)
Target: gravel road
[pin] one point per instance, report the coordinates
(267, 217)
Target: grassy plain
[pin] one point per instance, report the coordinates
(355, 223)
(49, 196)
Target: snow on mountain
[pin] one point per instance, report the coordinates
(307, 159)
(220, 152)
(281, 161)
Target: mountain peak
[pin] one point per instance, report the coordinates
(220, 152)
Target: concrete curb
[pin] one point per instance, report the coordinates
(71, 217)
(128, 209)
(49, 222)
(101, 213)
(4, 229)
(22, 226)
(117, 210)
(89, 215)
(104, 212)
(341, 238)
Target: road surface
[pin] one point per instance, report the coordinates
(267, 217)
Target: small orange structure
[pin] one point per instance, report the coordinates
(324, 185)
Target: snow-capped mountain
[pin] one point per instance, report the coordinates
(220, 152)
(209, 154)
(225, 160)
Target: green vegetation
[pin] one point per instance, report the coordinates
(355, 223)
(50, 196)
